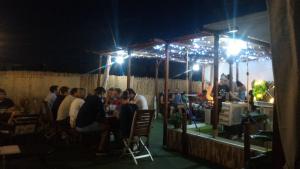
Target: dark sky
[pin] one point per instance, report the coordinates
(57, 35)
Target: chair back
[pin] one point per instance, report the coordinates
(25, 124)
(141, 123)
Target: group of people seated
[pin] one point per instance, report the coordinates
(102, 111)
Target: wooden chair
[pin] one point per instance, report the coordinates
(140, 128)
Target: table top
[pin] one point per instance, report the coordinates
(10, 149)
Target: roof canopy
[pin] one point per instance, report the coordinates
(253, 25)
(198, 47)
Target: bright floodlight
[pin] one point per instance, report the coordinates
(120, 60)
(121, 52)
(234, 46)
(196, 67)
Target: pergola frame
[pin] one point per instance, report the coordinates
(165, 50)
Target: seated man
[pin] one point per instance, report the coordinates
(139, 100)
(91, 117)
(64, 108)
(126, 115)
(63, 92)
(75, 107)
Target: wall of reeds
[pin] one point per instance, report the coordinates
(31, 85)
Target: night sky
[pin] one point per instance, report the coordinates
(60, 35)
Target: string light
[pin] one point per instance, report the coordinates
(203, 48)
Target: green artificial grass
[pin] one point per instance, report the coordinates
(206, 129)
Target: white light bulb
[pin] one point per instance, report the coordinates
(234, 46)
(120, 60)
(196, 67)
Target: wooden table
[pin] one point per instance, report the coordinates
(8, 150)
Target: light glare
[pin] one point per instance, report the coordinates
(234, 46)
(196, 67)
(120, 60)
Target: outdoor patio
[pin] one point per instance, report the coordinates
(77, 156)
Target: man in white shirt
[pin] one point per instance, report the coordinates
(64, 107)
(50, 98)
(138, 99)
(75, 107)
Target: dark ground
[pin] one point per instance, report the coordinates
(80, 157)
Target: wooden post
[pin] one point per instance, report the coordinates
(190, 80)
(129, 68)
(166, 98)
(106, 72)
(216, 74)
(237, 71)
(190, 87)
(99, 71)
(156, 94)
(187, 71)
(211, 74)
(230, 75)
(203, 77)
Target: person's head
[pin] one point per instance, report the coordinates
(224, 79)
(2, 94)
(239, 84)
(53, 89)
(100, 91)
(110, 92)
(74, 92)
(125, 97)
(118, 92)
(82, 93)
(131, 93)
(63, 90)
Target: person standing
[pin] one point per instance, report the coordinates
(223, 92)
(50, 98)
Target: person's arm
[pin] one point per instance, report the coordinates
(233, 96)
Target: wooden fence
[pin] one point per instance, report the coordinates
(35, 85)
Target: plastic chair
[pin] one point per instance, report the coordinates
(141, 125)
